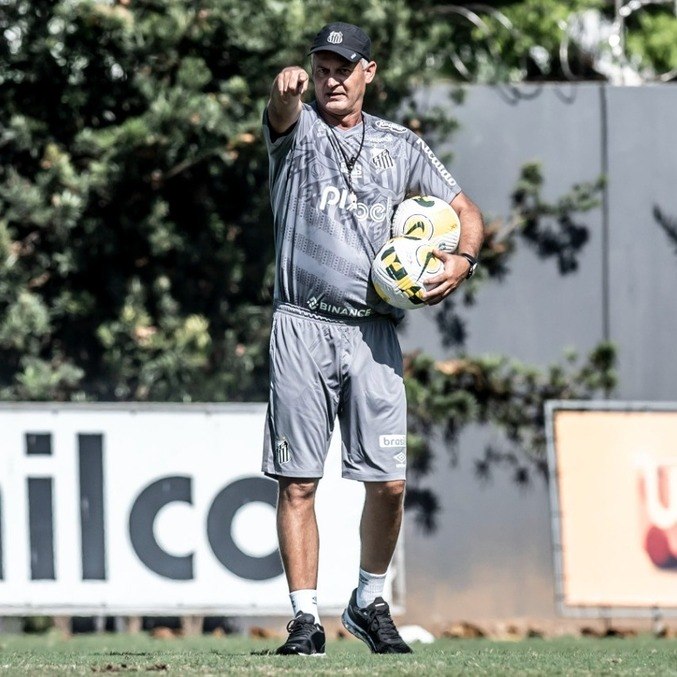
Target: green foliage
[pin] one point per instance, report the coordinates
(503, 41)
(565, 237)
(450, 395)
(135, 229)
(528, 40)
(652, 39)
(133, 187)
(539, 29)
(132, 156)
(497, 389)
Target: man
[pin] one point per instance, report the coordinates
(336, 175)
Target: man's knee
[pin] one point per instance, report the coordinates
(296, 492)
(389, 492)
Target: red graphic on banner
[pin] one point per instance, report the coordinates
(658, 511)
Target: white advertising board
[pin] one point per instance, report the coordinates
(154, 509)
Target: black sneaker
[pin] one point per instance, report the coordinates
(306, 637)
(374, 626)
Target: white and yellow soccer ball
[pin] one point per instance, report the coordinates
(428, 218)
(400, 270)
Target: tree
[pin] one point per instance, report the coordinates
(134, 228)
(135, 242)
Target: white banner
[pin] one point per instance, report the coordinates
(154, 509)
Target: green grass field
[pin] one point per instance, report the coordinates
(51, 654)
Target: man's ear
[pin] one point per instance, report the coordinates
(370, 71)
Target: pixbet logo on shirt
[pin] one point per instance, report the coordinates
(331, 195)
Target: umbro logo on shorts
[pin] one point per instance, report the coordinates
(282, 451)
(401, 459)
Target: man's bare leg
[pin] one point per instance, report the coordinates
(299, 539)
(380, 524)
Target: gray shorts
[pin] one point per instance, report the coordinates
(321, 368)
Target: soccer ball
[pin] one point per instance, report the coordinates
(400, 270)
(428, 218)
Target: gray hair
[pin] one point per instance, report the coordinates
(364, 62)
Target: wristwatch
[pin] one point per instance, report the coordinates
(472, 261)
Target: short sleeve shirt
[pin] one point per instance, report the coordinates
(325, 241)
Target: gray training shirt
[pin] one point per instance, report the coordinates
(325, 241)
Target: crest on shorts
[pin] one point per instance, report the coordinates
(282, 451)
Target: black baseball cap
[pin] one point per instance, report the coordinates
(347, 40)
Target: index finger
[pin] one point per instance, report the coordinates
(294, 79)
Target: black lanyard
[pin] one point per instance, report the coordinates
(350, 162)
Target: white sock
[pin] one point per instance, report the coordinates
(306, 602)
(369, 587)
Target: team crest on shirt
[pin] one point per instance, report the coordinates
(382, 159)
(282, 451)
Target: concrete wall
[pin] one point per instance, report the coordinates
(491, 556)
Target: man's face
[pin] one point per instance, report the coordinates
(340, 84)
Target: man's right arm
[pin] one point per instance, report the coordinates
(284, 105)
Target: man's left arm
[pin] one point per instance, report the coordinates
(456, 266)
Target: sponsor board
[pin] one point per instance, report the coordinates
(613, 470)
(155, 509)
